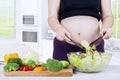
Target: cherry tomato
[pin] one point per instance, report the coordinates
(21, 68)
(26, 68)
(30, 68)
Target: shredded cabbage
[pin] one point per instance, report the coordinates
(89, 64)
(31, 55)
(90, 61)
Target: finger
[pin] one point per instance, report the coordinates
(68, 35)
(102, 32)
(106, 36)
(66, 38)
(59, 38)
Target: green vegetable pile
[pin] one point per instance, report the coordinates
(13, 64)
(54, 65)
(89, 61)
(31, 63)
(15, 60)
(11, 67)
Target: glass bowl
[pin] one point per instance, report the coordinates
(85, 62)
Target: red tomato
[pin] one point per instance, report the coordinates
(30, 68)
(21, 68)
(26, 68)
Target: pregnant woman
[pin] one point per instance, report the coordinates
(77, 20)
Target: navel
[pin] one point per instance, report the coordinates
(78, 33)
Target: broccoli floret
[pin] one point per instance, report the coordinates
(44, 65)
(54, 65)
(31, 63)
(11, 67)
(15, 60)
(7, 68)
(15, 66)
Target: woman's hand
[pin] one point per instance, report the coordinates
(63, 35)
(106, 32)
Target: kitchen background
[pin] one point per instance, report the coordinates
(24, 26)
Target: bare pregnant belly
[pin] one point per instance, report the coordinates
(82, 28)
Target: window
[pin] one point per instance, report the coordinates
(6, 18)
(116, 14)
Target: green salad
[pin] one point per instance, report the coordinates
(89, 61)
